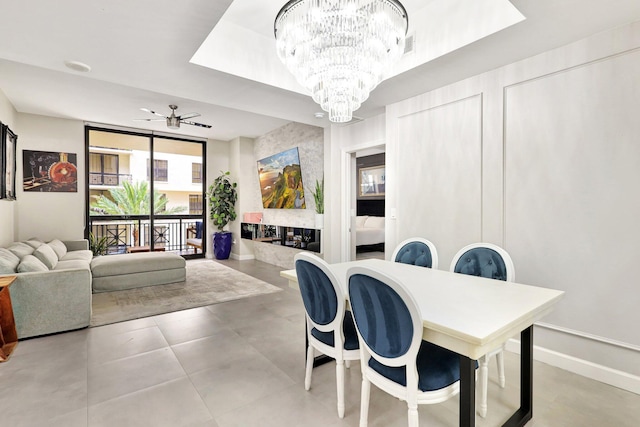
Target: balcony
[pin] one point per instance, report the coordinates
(134, 233)
(108, 179)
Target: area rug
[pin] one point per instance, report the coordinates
(208, 282)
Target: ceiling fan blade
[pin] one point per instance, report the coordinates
(152, 112)
(202, 125)
(149, 120)
(189, 115)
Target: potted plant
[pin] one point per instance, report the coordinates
(98, 245)
(222, 196)
(318, 197)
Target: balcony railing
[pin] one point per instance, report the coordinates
(134, 234)
(112, 179)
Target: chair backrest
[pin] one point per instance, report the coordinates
(485, 260)
(198, 229)
(387, 318)
(321, 295)
(416, 251)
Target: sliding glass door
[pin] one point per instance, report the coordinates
(146, 193)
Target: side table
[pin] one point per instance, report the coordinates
(8, 334)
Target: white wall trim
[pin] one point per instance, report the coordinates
(582, 367)
(591, 337)
(242, 257)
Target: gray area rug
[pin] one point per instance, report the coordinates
(208, 282)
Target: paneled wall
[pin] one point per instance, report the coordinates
(541, 157)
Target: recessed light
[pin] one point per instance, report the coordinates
(77, 66)
(319, 115)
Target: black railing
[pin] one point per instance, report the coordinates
(133, 233)
(100, 178)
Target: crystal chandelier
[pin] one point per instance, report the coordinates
(340, 49)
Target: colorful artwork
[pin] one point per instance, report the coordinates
(47, 171)
(281, 181)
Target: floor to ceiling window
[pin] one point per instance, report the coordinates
(145, 193)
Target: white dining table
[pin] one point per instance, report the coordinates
(471, 316)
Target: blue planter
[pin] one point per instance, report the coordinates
(222, 244)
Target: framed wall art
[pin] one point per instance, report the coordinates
(8, 142)
(49, 171)
(371, 182)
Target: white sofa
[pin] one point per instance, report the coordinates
(52, 292)
(369, 230)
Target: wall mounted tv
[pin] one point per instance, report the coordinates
(281, 181)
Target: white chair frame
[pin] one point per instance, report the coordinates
(498, 352)
(410, 394)
(338, 351)
(430, 245)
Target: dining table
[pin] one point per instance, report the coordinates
(469, 315)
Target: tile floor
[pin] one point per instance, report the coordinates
(240, 364)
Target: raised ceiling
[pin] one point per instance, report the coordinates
(140, 54)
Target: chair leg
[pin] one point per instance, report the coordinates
(484, 380)
(413, 417)
(309, 368)
(340, 384)
(347, 363)
(364, 402)
(500, 362)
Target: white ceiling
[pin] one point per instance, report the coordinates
(140, 54)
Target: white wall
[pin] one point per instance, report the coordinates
(542, 158)
(218, 153)
(7, 208)
(50, 215)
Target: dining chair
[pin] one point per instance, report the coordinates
(416, 251)
(493, 262)
(393, 355)
(330, 328)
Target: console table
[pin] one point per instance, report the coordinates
(8, 334)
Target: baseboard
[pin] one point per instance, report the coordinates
(242, 257)
(582, 367)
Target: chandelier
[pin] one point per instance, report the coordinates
(340, 49)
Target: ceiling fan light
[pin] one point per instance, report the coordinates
(173, 122)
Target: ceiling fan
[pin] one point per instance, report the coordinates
(173, 121)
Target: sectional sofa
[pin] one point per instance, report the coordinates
(55, 281)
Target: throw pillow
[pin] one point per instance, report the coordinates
(8, 261)
(58, 247)
(30, 264)
(35, 244)
(20, 249)
(48, 257)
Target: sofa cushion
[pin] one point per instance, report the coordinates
(58, 247)
(20, 249)
(48, 257)
(115, 265)
(71, 264)
(34, 243)
(30, 264)
(81, 255)
(8, 261)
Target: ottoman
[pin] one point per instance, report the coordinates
(128, 271)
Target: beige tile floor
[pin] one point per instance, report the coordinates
(240, 364)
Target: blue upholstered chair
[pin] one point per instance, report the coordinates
(330, 328)
(493, 262)
(416, 251)
(394, 356)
